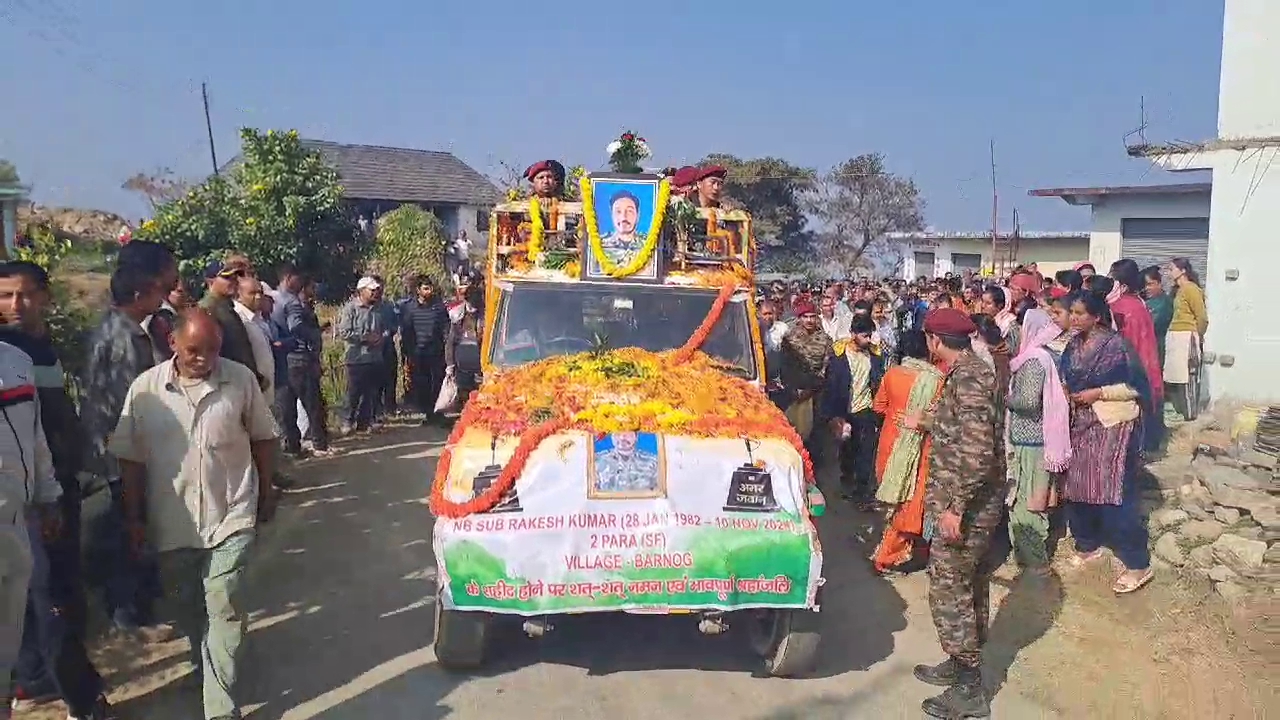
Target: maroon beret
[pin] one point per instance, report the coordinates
(686, 175)
(804, 307)
(949, 321)
(711, 171)
(556, 169)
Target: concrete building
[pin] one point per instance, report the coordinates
(11, 195)
(1148, 223)
(934, 254)
(1241, 214)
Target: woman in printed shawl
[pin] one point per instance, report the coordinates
(902, 458)
(1106, 389)
(1038, 424)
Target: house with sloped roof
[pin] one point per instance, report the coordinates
(378, 179)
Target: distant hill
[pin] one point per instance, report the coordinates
(80, 225)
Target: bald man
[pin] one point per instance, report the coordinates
(195, 496)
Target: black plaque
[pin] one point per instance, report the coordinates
(510, 502)
(751, 490)
(751, 487)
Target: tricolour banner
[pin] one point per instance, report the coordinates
(632, 521)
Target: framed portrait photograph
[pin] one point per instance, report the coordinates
(626, 465)
(624, 209)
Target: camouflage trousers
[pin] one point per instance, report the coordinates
(960, 592)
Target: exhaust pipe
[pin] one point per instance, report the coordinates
(537, 627)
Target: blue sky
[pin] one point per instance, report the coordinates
(101, 90)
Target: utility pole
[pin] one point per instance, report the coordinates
(996, 260)
(208, 125)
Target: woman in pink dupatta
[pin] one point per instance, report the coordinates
(1134, 323)
(1038, 424)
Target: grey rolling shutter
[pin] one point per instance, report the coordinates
(966, 261)
(1156, 241)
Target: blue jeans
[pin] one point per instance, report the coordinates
(53, 639)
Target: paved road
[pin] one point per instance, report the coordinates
(343, 623)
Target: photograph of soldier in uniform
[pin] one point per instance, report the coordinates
(627, 465)
(624, 214)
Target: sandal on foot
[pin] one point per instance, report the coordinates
(1080, 560)
(1126, 584)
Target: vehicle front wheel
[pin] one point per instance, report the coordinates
(461, 638)
(786, 639)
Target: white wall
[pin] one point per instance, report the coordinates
(1110, 210)
(1249, 93)
(1050, 253)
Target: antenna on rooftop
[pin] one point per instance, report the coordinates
(1141, 130)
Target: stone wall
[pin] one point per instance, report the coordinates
(1219, 516)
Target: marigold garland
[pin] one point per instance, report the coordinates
(641, 258)
(536, 230)
(628, 389)
(704, 330)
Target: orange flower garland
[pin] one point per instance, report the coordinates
(715, 405)
(704, 330)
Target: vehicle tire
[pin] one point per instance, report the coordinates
(461, 638)
(786, 639)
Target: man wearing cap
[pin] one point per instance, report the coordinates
(222, 283)
(804, 355)
(683, 181)
(361, 327)
(964, 501)
(547, 179)
(710, 186)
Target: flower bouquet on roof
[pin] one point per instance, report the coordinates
(626, 152)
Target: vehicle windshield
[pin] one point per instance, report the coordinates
(541, 320)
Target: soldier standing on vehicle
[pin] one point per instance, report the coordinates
(547, 179)
(964, 500)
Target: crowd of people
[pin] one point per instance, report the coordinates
(957, 406)
(977, 415)
(179, 441)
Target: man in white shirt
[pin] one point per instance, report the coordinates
(462, 253)
(194, 442)
(835, 326)
(247, 306)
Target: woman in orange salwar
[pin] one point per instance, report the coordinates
(902, 463)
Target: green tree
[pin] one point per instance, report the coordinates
(278, 202)
(409, 241)
(772, 190)
(858, 204)
(8, 173)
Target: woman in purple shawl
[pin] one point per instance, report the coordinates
(1108, 396)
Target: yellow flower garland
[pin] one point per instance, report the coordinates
(536, 230)
(651, 239)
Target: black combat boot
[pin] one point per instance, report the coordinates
(966, 699)
(942, 675)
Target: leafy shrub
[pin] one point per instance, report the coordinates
(409, 241)
(279, 202)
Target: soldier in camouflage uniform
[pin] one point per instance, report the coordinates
(964, 501)
(626, 468)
